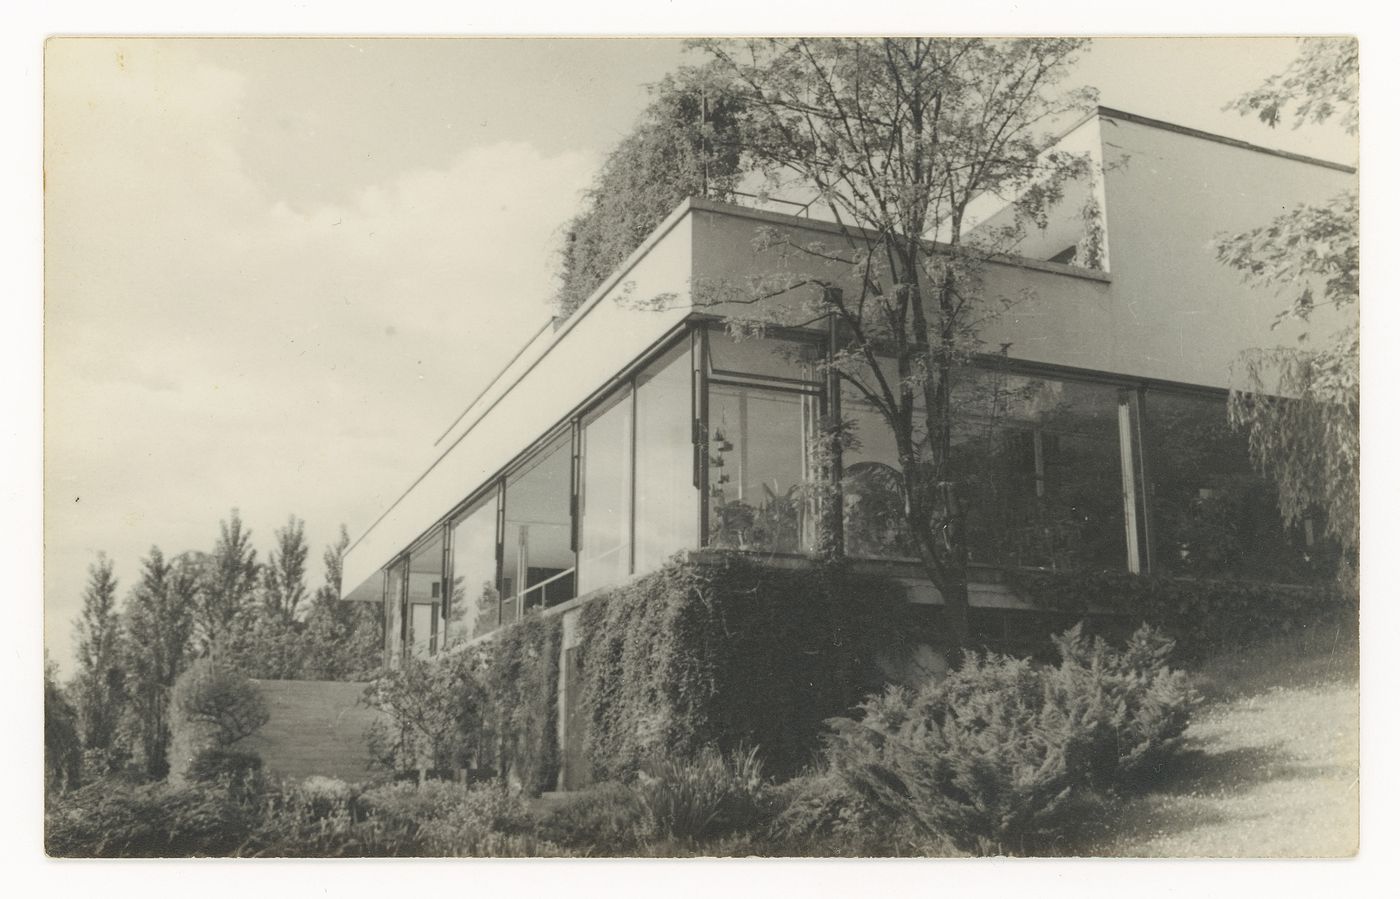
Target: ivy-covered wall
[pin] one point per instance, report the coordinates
(731, 652)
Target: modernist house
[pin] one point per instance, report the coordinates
(637, 428)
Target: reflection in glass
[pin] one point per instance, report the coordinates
(424, 595)
(475, 603)
(1041, 462)
(538, 566)
(770, 357)
(1213, 514)
(667, 503)
(758, 468)
(872, 484)
(393, 613)
(605, 495)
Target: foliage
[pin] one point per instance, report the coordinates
(1203, 616)
(109, 819)
(221, 765)
(340, 640)
(99, 685)
(159, 625)
(704, 796)
(980, 758)
(1302, 405)
(519, 675)
(433, 713)
(1131, 705)
(63, 745)
(224, 700)
(897, 138)
(1320, 83)
(1000, 755)
(492, 707)
(683, 146)
(602, 819)
(284, 576)
(231, 579)
(728, 652)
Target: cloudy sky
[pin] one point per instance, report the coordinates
(276, 270)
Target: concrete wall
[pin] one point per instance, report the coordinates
(316, 727)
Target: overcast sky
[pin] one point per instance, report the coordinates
(276, 270)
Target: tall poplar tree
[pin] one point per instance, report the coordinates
(99, 684)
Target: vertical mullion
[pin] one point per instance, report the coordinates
(1140, 407)
(500, 548)
(1126, 467)
(632, 476)
(700, 418)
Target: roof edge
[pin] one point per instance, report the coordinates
(1109, 112)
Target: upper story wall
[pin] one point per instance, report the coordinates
(1165, 309)
(1177, 313)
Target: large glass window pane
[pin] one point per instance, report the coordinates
(758, 468)
(605, 495)
(1041, 461)
(538, 566)
(872, 484)
(1212, 514)
(667, 509)
(424, 595)
(393, 613)
(769, 356)
(475, 601)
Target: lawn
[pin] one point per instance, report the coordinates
(1271, 767)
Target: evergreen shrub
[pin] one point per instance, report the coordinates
(1002, 754)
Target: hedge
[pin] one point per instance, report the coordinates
(733, 653)
(1203, 616)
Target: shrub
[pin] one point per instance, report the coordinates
(109, 819)
(221, 698)
(1130, 708)
(492, 706)
(433, 711)
(239, 772)
(979, 757)
(1001, 755)
(603, 819)
(701, 797)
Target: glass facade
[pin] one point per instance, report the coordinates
(667, 502)
(711, 443)
(605, 494)
(424, 596)
(1213, 515)
(1042, 462)
(537, 568)
(872, 484)
(758, 451)
(475, 604)
(394, 612)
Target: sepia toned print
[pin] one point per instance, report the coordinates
(622, 447)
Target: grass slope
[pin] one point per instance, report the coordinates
(1271, 767)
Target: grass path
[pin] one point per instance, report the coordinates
(1271, 767)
